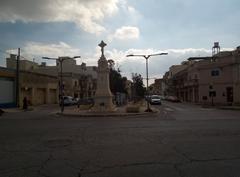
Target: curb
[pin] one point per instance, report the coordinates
(223, 107)
(14, 110)
(230, 108)
(107, 115)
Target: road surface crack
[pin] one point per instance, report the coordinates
(43, 166)
(104, 168)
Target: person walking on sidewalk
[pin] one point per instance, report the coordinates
(25, 104)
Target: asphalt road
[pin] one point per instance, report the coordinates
(183, 140)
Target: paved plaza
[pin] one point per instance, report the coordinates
(182, 140)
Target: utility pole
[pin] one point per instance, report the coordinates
(17, 77)
(61, 84)
(60, 60)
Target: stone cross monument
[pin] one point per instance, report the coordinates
(103, 95)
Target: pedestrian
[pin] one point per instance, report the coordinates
(25, 103)
(1, 112)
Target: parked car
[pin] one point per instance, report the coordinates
(162, 97)
(155, 99)
(68, 101)
(173, 99)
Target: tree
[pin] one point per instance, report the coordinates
(111, 64)
(138, 87)
(117, 82)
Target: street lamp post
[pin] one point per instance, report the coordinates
(17, 78)
(60, 60)
(147, 57)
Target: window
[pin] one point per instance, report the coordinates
(215, 72)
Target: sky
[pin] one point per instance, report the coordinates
(182, 28)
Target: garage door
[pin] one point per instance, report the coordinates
(40, 96)
(7, 96)
(52, 96)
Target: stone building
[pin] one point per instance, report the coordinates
(219, 78)
(25, 65)
(78, 85)
(7, 87)
(169, 79)
(186, 84)
(79, 80)
(38, 88)
(157, 87)
(210, 80)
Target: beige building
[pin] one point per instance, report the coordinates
(157, 87)
(25, 65)
(173, 70)
(7, 87)
(38, 88)
(78, 80)
(169, 81)
(219, 79)
(210, 80)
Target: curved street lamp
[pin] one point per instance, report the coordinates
(147, 57)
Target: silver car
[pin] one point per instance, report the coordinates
(155, 99)
(68, 100)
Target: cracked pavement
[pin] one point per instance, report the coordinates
(183, 140)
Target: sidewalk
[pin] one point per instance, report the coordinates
(120, 112)
(237, 108)
(11, 110)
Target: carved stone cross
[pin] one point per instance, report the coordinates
(102, 45)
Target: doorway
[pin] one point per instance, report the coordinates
(229, 94)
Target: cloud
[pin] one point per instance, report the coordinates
(125, 33)
(38, 50)
(87, 14)
(158, 65)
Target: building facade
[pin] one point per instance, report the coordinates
(209, 80)
(79, 81)
(37, 88)
(157, 87)
(7, 87)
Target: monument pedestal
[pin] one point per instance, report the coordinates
(103, 96)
